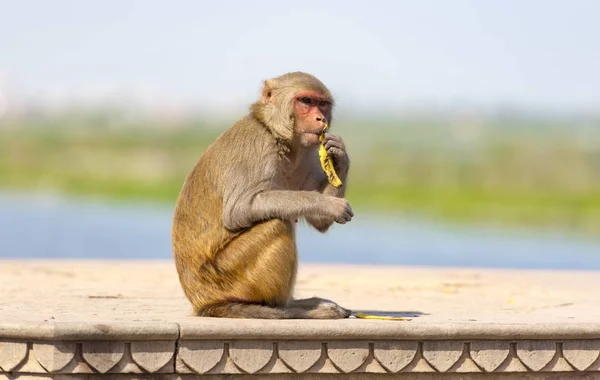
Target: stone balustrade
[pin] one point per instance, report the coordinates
(80, 320)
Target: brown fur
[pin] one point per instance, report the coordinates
(234, 223)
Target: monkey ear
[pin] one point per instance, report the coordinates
(267, 92)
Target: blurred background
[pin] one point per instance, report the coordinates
(473, 127)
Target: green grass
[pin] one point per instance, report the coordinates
(526, 178)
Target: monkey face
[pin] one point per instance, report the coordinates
(312, 112)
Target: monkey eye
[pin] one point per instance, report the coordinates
(322, 103)
(306, 100)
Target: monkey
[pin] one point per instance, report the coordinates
(234, 223)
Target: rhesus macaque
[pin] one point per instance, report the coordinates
(234, 224)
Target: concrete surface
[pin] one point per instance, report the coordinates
(63, 318)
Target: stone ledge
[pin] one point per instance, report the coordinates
(357, 329)
(391, 356)
(86, 322)
(348, 329)
(109, 330)
(239, 357)
(86, 357)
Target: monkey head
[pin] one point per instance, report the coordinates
(295, 106)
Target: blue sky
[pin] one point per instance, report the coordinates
(543, 54)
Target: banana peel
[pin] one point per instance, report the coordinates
(382, 317)
(327, 162)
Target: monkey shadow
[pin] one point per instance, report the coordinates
(393, 314)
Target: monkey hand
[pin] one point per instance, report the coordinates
(334, 145)
(339, 210)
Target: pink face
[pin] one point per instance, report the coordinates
(312, 111)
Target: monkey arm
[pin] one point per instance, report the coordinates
(272, 204)
(253, 193)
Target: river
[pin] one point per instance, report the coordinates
(34, 226)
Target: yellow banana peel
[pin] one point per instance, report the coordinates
(382, 317)
(327, 163)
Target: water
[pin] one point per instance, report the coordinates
(51, 227)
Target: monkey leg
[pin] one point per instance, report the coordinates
(308, 308)
(258, 271)
(233, 309)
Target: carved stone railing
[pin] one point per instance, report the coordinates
(75, 348)
(278, 348)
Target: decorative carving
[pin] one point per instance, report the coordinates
(239, 357)
(78, 364)
(201, 355)
(226, 366)
(251, 355)
(323, 365)
(152, 356)
(536, 354)
(102, 355)
(512, 364)
(275, 365)
(581, 354)
(371, 366)
(419, 365)
(348, 355)
(299, 355)
(489, 354)
(54, 356)
(395, 355)
(442, 354)
(465, 365)
(12, 353)
(126, 364)
(558, 364)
